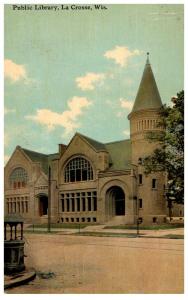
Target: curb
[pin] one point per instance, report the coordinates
(30, 275)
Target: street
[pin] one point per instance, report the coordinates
(103, 264)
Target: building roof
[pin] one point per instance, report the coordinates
(44, 159)
(120, 154)
(95, 144)
(119, 151)
(148, 95)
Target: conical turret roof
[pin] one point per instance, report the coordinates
(148, 95)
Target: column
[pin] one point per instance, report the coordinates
(75, 202)
(92, 202)
(65, 204)
(86, 201)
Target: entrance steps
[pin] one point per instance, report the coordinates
(117, 220)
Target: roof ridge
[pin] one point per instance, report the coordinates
(87, 137)
(34, 151)
(117, 141)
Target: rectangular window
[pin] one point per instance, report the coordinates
(83, 204)
(72, 204)
(78, 204)
(26, 206)
(63, 205)
(140, 178)
(95, 203)
(89, 203)
(67, 204)
(154, 183)
(140, 203)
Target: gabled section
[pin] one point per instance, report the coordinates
(18, 156)
(148, 95)
(95, 145)
(42, 180)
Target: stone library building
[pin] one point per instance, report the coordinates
(91, 181)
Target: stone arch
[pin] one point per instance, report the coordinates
(115, 194)
(115, 202)
(13, 169)
(67, 161)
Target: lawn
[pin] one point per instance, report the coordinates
(147, 227)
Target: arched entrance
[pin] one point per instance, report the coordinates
(115, 201)
(43, 205)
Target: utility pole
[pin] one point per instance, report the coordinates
(49, 199)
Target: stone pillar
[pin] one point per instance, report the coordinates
(86, 203)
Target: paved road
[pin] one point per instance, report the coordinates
(104, 264)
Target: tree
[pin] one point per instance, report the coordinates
(169, 156)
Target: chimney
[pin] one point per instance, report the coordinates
(62, 148)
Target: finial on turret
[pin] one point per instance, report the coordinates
(147, 61)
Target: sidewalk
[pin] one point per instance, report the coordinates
(100, 229)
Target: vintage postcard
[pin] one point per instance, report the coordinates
(94, 148)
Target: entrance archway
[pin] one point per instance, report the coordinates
(115, 201)
(43, 205)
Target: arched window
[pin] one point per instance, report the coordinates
(18, 178)
(78, 169)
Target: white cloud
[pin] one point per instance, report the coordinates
(89, 81)
(121, 55)
(127, 104)
(14, 71)
(7, 110)
(6, 158)
(119, 114)
(67, 119)
(126, 132)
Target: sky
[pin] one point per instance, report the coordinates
(70, 71)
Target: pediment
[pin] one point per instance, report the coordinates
(18, 159)
(42, 180)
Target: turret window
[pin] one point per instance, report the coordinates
(140, 203)
(140, 178)
(154, 183)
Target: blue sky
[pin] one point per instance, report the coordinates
(69, 71)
